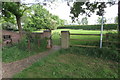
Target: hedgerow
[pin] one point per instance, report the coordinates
(89, 27)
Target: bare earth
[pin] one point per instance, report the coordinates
(10, 69)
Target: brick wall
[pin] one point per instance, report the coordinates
(14, 35)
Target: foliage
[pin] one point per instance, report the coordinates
(90, 27)
(40, 18)
(56, 38)
(90, 8)
(103, 53)
(33, 42)
(99, 20)
(8, 23)
(17, 11)
(8, 26)
(8, 9)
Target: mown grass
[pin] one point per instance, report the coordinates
(64, 64)
(82, 31)
(57, 35)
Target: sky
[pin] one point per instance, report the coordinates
(63, 11)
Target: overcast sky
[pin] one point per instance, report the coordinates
(63, 11)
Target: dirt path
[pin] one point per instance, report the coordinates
(9, 69)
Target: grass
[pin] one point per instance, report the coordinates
(63, 64)
(10, 54)
(75, 62)
(56, 36)
(82, 31)
(0, 41)
(20, 51)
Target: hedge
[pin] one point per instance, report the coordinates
(90, 27)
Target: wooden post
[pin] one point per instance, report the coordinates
(38, 42)
(39, 36)
(28, 44)
(107, 42)
(65, 36)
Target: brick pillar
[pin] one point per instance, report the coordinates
(65, 36)
(47, 34)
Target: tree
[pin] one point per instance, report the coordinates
(16, 9)
(77, 9)
(39, 18)
(90, 8)
(84, 21)
(8, 23)
(99, 20)
(97, 7)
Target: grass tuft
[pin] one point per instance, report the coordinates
(20, 50)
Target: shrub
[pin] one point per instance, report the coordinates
(23, 44)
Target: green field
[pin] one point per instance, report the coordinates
(56, 36)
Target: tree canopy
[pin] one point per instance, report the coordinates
(90, 8)
(16, 9)
(31, 18)
(39, 18)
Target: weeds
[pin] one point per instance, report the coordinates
(20, 50)
(103, 53)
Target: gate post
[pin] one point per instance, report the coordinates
(65, 36)
(47, 34)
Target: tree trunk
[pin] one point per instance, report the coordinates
(19, 25)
